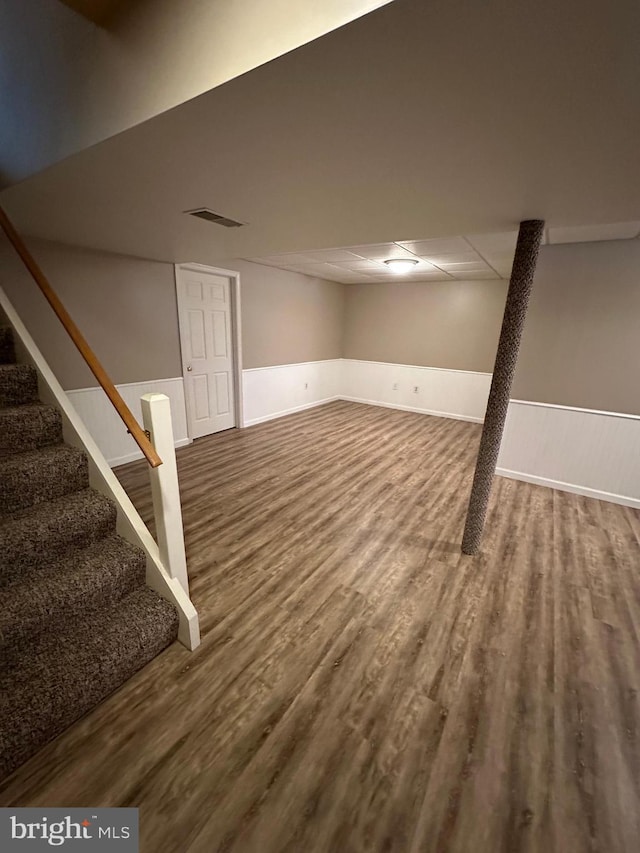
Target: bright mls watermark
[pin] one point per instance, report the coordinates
(80, 830)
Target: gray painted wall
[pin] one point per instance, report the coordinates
(580, 346)
(288, 317)
(581, 343)
(451, 324)
(125, 307)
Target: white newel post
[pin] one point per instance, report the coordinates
(156, 417)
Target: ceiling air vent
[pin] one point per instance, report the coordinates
(210, 216)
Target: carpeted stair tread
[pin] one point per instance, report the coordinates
(41, 475)
(18, 384)
(61, 676)
(76, 618)
(7, 352)
(48, 531)
(29, 427)
(48, 598)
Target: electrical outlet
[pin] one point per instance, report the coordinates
(395, 386)
(415, 389)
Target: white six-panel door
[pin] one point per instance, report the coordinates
(205, 311)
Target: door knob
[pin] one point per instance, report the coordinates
(189, 368)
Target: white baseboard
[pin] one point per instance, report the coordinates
(419, 411)
(569, 487)
(291, 411)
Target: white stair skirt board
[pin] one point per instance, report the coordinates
(459, 394)
(106, 427)
(588, 452)
(271, 392)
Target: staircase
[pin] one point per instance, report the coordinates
(76, 618)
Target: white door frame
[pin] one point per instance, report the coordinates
(236, 333)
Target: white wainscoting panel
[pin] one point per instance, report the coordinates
(270, 392)
(108, 431)
(459, 394)
(588, 452)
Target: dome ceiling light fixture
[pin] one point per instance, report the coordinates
(401, 265)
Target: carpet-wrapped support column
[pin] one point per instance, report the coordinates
(515, 312)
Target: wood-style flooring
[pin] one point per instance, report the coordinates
(361, 686)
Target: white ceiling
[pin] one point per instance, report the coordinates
(478, 256)
(421, 119)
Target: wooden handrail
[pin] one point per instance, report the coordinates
(138, 434)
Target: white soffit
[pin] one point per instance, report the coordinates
(468, 258)
(595, 233)
(303, 149)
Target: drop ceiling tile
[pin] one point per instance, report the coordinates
(325, 271)
(266, 262)
(301, 269)
(427, 248)
(503, 272)
(346, 279)
(314, 266)
(289, 258)
(336, 274)
(499, 261)
(502, 243)
(326, 276)
(594, 233)
(498, 257)
(343, 270)
(381, 251)
(330, 256)
(469, 265)
(359, 265)
(421, 266)
(454, 258)
(464, 275)
(437, 275)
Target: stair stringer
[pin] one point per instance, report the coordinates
(101, 478)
